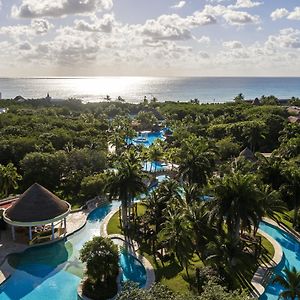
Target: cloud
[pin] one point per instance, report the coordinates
(279, 13)
(287, 38)
(233, 45)
(58, 8)
(173, 27)
(25, 46)
(245, 4)
(41, 26)
(231, 16)
(295, 14)
(240, 18)
(203, 40)
(180, 4)
(106, 24)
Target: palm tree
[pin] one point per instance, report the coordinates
(178, 234)
(196, 160)
(155, 208)
(236, 201)
(197, 214)
(271, 203)
(270, 170)
(126, 183)
(9, 178)
(155, 154)
(292, 186)
(290, 281)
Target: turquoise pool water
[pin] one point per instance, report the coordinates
(53, 272)
(154, 166)
(291, 250)
(132, 269)
(151, 138)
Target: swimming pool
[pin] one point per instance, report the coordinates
(54, 271)
(154, 166)
(132, 269)
(151, 137)
(291, 249)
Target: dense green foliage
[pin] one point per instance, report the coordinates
(208, 211)
(101, 258)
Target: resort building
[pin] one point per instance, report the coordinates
(37, 216)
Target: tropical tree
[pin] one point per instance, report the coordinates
(102, 261)
(9, 178)
(155, 154)
(197, 159)
(292, 188)
(290, 281)
(270, 170)
(125, 183)
(178, 234)
(197, 214)
(236, 201)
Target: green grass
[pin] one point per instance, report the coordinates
(113, 226)
(287, 218)
(173, 276)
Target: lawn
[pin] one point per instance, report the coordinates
(172, 274)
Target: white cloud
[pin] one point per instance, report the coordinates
(25, 46)
(232, 17)
(279, 13)
(105, 24)
(58, 8)
(240, 18)
(233, 45)
(180, 4)
(203, 40)
(295, 14)
(245, 4)
(173, 27)
(41, 26)
(287, 38)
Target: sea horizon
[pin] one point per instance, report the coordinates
(133, 89)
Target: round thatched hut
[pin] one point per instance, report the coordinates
(39, 210)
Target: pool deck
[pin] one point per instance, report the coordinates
(132, 247)
(75, 221)
(259, 276)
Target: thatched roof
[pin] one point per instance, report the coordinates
(248, 154)
(36, 204)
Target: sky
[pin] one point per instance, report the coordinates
(149, 38)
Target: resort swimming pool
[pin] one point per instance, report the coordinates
(54, 271)
(291, 250)
(150, 137)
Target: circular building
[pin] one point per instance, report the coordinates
(40, 212)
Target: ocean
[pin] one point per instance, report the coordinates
(133, 89)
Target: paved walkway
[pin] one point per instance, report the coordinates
(259, 276)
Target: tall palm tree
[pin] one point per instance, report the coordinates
(290, 281)
(155, 154)
(236, 201)
(9, 178)
(125, 183)
(271, 203)
(197, 159)
(197, 214)
(292, 186)
(178, 234)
